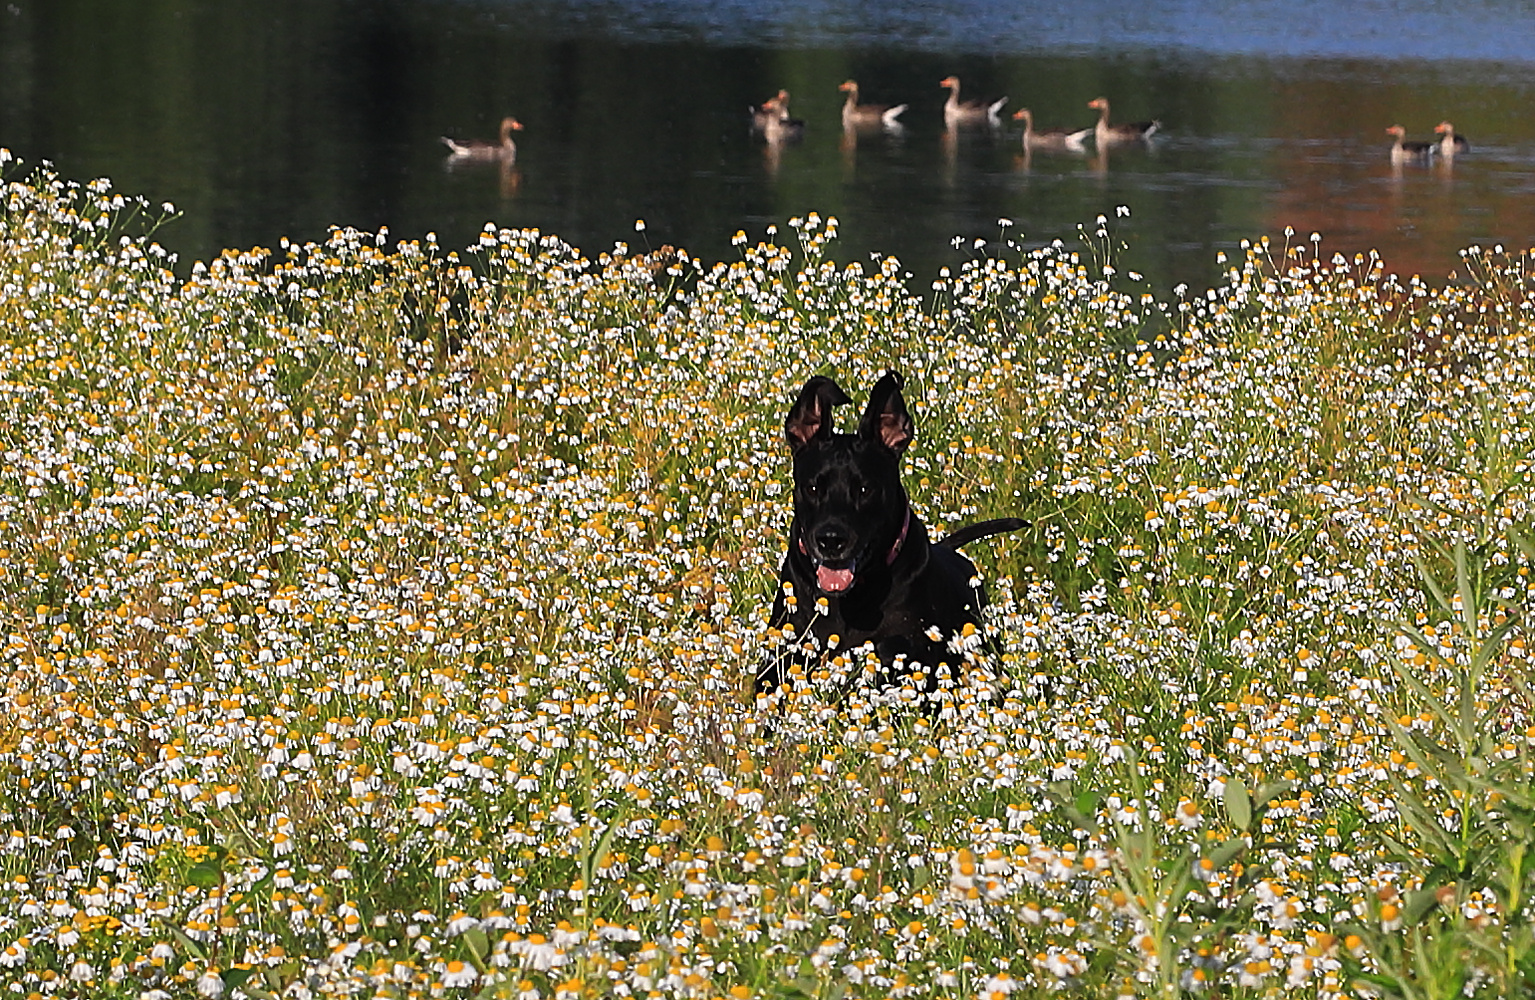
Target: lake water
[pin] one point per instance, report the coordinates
(281, 117)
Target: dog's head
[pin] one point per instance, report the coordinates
(850, 509)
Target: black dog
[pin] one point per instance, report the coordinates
(856, 543)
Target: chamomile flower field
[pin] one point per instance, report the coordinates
(380, 618)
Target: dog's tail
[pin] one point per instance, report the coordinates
(980, 529)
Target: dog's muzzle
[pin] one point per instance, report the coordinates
(830, 579)
(838, 579)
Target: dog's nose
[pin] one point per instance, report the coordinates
(833, 541)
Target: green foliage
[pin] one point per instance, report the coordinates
(1467, 816)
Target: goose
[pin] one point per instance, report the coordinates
(855, 115)
(774, 107)
(777, 126)
(1054, 138)
(957, 112)
(1452, 142)
(473, 149)
(1403, 151)
(1105, 134)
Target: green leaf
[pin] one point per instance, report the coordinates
(1378, 980)
(1417, 904)
(1239, 805)
(1468, 604)
(193, 948)
(238, 979)
(1431, 836)
(262, 883)
(478, 944)
(1440, 708)
(278, 978)
(1492, 646)
(205, 874)
(1427, 745)
(603, 844)
(1273, 790)
(1432, 585)
(1394, 847)
(1524, 543)
(1080, 820)
(1226, 852)
(255, 992)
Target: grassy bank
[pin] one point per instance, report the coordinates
(379, 621)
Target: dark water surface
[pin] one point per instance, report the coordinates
(281, 117)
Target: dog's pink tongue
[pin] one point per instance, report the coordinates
(833, 581)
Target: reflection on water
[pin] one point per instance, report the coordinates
(271, 119)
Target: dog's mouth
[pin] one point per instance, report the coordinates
(834, 580)
(835, 571)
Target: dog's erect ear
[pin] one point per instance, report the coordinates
(885, 420)
(810, 416)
